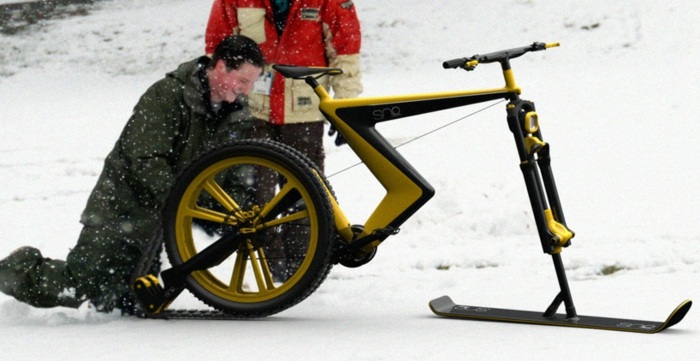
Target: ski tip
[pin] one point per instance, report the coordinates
(441, 305)
(678, 314)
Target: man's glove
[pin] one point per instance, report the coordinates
(339, 140)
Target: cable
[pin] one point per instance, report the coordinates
(425, 134)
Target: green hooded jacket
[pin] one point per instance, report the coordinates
(171, 124)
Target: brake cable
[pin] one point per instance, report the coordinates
(425, 134)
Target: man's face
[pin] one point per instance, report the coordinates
(227, 85)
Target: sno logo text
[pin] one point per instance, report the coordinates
(387, 113)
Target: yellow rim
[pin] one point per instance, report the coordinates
(250, 279)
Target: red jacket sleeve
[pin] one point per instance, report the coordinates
(344, 26)
(223, 22)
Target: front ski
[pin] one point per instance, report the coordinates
(444, 306)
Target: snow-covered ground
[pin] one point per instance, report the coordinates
(617, 101)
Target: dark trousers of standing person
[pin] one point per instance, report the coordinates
(288, 245)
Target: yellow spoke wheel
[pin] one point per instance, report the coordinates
(277, 199)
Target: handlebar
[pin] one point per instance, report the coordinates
(498, 56)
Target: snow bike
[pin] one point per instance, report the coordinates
(251, 251)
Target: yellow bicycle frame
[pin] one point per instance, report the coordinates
(406, 189)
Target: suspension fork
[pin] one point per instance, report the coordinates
(535, 164)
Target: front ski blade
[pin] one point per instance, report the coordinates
(444, 306)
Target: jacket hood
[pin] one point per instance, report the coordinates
(191, 76)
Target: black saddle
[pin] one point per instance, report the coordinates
(300, 72)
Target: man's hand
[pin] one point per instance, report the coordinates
(339, 140)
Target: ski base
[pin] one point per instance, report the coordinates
(444, 306)
(189, 314)
(186, 314)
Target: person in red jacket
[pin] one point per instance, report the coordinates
(294, 32)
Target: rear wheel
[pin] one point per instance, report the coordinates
(277, 199)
